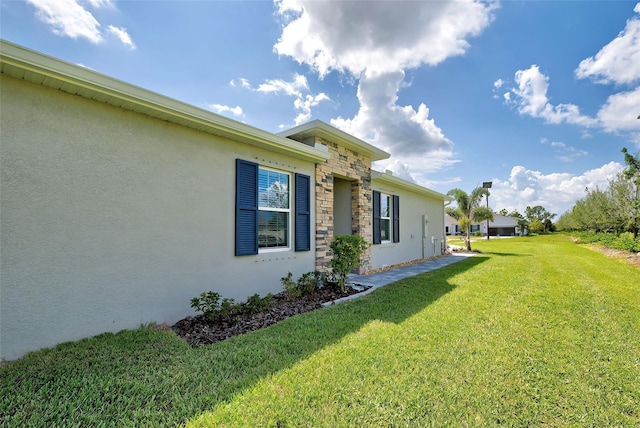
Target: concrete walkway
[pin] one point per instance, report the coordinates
(380, 279)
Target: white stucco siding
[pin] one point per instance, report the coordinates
(110, 219)
(412, 246)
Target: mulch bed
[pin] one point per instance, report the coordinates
(198, 331)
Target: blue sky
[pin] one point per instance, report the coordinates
(538, 97)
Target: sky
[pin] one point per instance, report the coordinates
(538, 97)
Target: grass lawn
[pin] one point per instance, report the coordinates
(532, 332)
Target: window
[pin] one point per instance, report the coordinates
(386, 218)
(273, 209)
(263, 210)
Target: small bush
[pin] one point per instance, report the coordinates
(208, 303)
(290, 287)
(227, 309)
(212, 309)
(347, 250)
(255, 304)
(308, 282)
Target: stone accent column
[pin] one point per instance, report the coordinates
(347, 164)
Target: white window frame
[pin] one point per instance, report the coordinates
(288, 211)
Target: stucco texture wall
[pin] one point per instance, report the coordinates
(110, 219)
(410, 247)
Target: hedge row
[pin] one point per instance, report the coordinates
(624, 241)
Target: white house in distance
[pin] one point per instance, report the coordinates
(119, 205)
(500, 226)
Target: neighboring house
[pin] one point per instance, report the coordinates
(119, 204)
(500, 226)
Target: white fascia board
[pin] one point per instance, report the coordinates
(45, 70)
(386, 178)
(318, 128)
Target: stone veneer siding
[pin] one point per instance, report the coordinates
(345, 164)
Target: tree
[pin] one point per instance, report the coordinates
(469, 210)
(536, 226)
(632, 174)
(539, 213)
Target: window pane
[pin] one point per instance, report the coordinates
(274, 189)
(384, 206)
(384, 230)
(273, 229)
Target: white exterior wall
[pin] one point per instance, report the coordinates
(412, 246)
(110, 219)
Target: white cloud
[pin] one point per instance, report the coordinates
(374, 43)
(620, 112)
(378, 36)
(418, 169)
(557, 192)
(122, 35)
(400, 130)
(68, 18)
(530, 96)
(564, 152)
(619, 61)
(304, 104)
(221, 109)
(298, 88)
(294, 87)
(101, 4)
(242, 82)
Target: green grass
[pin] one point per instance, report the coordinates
(532, 332)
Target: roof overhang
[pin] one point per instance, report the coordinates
(35, 67)
(387, 178)
(318, 128)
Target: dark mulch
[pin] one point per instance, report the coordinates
(198, 331)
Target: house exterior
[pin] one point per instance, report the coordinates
(500, 226)
(118, 205)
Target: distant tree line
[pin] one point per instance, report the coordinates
(613, 210)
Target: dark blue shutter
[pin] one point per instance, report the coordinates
(246, 208)
(376, 217)
(396, 218)
(303, 213)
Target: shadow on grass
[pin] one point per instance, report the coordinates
(153, 378)
(496, 253)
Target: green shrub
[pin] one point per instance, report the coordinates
(255, 304)
(227, 309)
(212, 309)
(208, 303)
(347, 250)
(308, 282)
(624, 241)
(290, 287)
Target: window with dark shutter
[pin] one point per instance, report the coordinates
(246, 208)
(303, 213)
(396, 218)
(376, 217)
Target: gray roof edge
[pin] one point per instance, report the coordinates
(324, 130)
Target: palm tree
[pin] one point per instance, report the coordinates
(469, 210)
